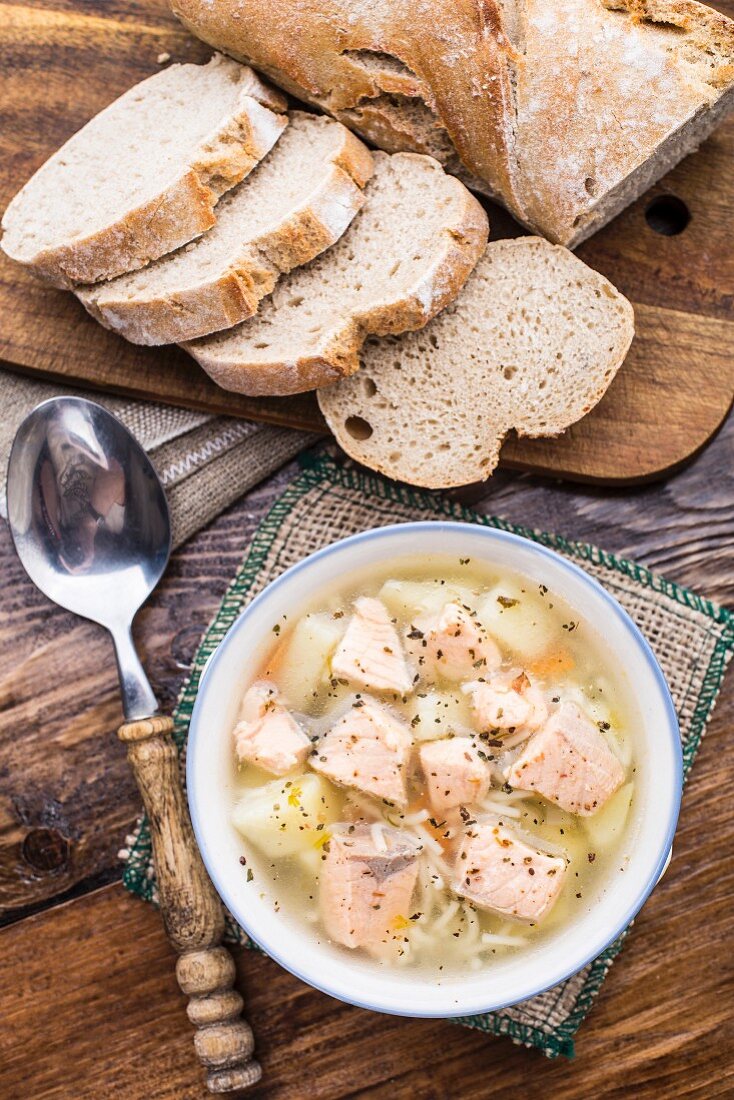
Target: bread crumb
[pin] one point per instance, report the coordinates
(163, 58)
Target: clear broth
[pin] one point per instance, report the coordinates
(536, 631)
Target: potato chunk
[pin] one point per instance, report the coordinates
(406, 599)
(519, 621)
(306, 661)
(285, 817)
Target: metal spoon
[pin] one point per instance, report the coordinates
(90, 523)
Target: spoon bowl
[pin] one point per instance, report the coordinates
(90, 523)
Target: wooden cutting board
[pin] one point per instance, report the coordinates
(61, 61)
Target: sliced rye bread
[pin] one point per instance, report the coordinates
(143, 177)
(404, 257)
(531, 343)
(296, 203)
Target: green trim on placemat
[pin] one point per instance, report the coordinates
(366, 490)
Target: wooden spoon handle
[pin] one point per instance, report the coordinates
(192, 912)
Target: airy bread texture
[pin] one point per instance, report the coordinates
(565, 111)
(404, 257)
(295, 204)
(531, 343)
(143, 177)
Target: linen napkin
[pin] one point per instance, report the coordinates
(204, 462)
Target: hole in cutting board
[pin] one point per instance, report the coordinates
(667, 215)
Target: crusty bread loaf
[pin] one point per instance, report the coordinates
(143, 177)
(565, 110)
(531, 343)
(295, 204)
(403, 258)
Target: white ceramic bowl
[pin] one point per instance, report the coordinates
(510, 979)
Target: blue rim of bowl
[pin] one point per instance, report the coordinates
(471, 531)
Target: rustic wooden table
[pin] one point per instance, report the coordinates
(61, 61)
(89, 1005)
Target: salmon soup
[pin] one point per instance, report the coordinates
(435, 765)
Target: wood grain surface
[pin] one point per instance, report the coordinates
(63, 60)
(91, 1007)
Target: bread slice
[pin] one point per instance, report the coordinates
(531, 343)
(143, 177)
(566, 110)
(295, 204)
(404, 257)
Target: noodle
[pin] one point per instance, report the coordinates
(496, 940)
(446, 917)
(515, 739)
(501, 809)
(513, 795)
(418, 935)
(407, 820)
(428, 842)
(378, 837)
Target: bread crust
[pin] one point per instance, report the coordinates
(221, 302)
(707, 28)
(456, 252)
(496, 79)
(454, 56)
(180, 212)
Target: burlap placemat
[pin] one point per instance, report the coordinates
(205, 462)
(692, 638)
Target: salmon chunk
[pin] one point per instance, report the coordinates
(369, 749)
(498, 870)
(366, 884)
(569, 762)
(453, 645)
(508, 701)
(267, 734)
(455, 773)
(370, 653)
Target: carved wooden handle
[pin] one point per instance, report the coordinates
(192, 912)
